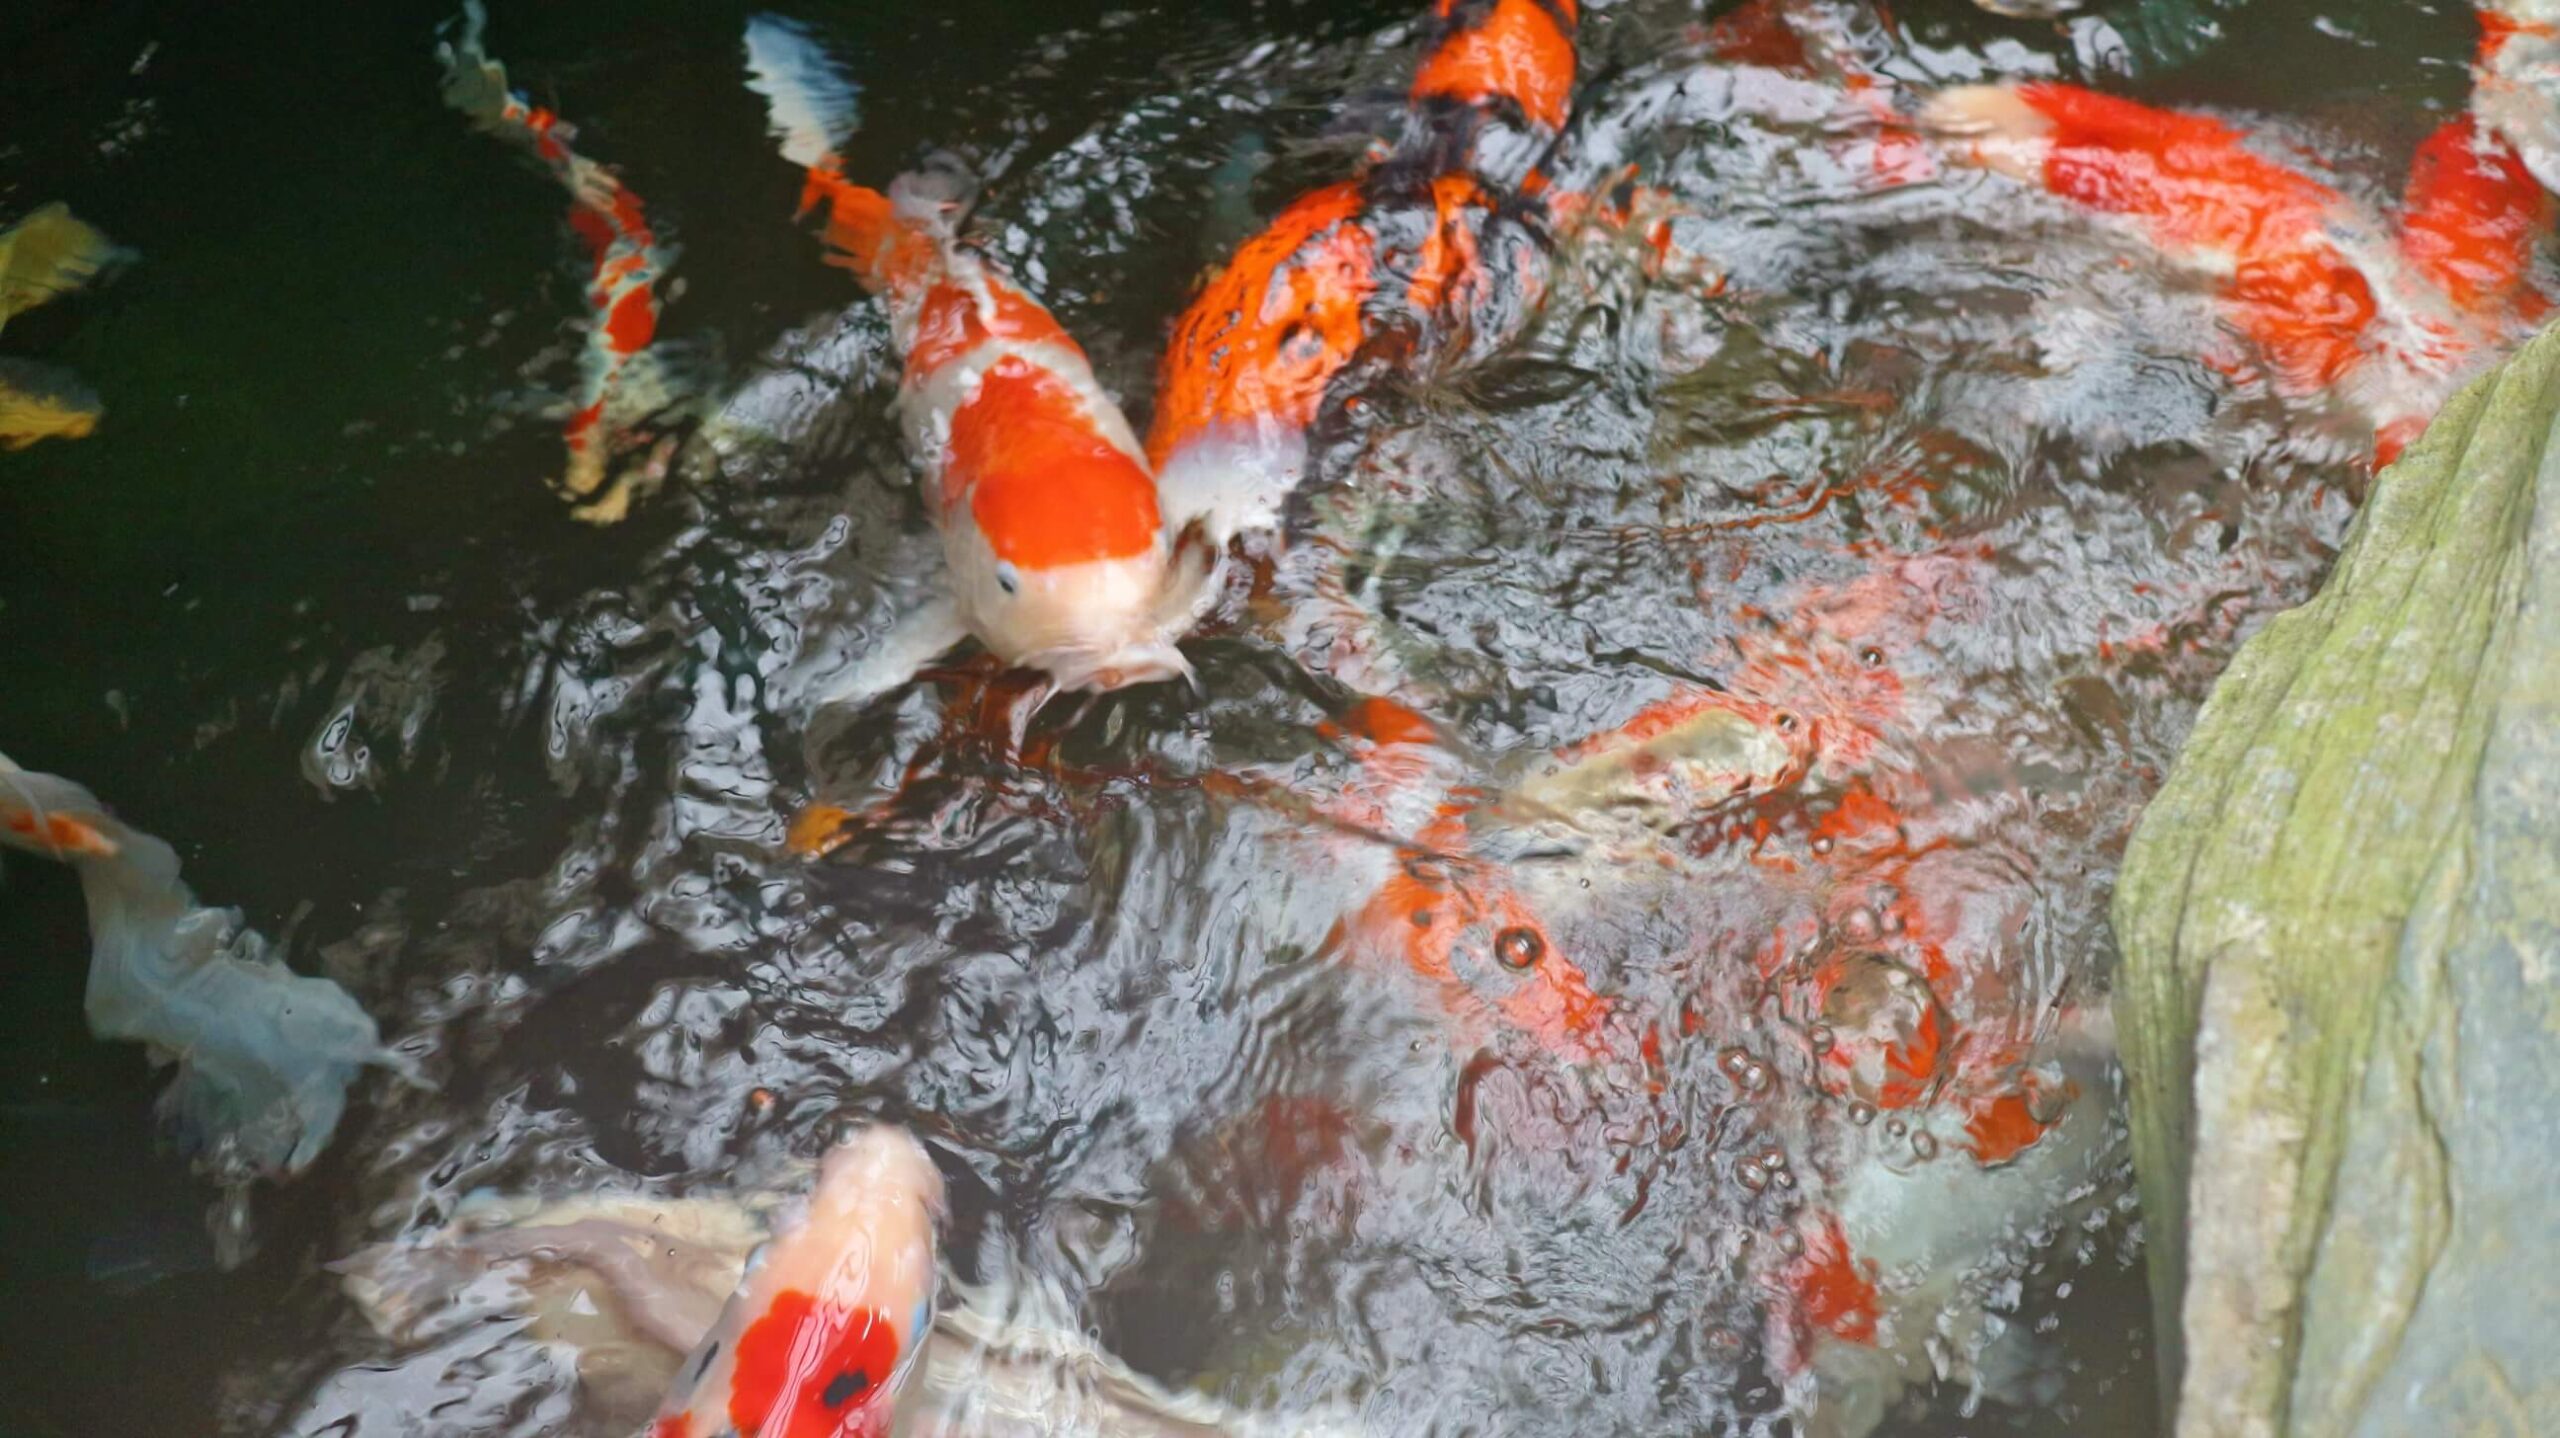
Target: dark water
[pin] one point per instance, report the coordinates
(304, 606)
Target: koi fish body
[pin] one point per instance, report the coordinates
(617, 385)
(1423, 240)
(264, 1055)
(632, 1284)
(2387, 314)
(1058, 555)
(827, 1322)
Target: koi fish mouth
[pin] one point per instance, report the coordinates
(1140, 662)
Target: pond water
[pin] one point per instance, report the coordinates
(1928, 482)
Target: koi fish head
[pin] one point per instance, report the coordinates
(827, 1323)
(1056, 542)
(1097, 624)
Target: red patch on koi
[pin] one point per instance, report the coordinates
(1040, 481)
(2001, 1127)
(1520, 52)
(64, 834)
(2471, 214)
(632, 322)
(804, 1370)
(2194, 185)
(1834, 1290)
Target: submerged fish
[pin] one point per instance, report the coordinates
(619, 383)
(2388, 313)
(264, 1055)
(1057, 552)
(43, 257)
(631, 1282)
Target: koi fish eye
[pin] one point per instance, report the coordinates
(1519, 948)
(1008, 579)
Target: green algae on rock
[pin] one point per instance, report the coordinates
(2340, 921)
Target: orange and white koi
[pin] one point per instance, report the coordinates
(264, 1055)
(1058, 555)
(636, 1287)
(829, 1319)
(618, 385)
(2322, 301)
(1427, 238)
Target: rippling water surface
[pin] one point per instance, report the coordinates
(1928, 483)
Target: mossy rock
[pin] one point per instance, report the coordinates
(2340, 996)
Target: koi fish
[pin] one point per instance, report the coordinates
(264, 1055)
(2322, 301)
(635, 1284)
(826, 1325)
(1057, 551)
(43, 257)
(1427, 238)
(618, 384)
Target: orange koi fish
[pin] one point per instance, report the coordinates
(1420, 240)
(617, 386)
(826, 1325)
(2391, 325)
(264, 1055)
(1057, 551)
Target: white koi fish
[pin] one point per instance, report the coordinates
(264, 1055)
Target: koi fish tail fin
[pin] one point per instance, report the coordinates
(264, 1055)
(811, 106)
(475, 84)
(810, 103)
(47, 255)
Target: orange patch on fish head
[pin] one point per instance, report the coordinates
(1040, 482)
(951, 322)
(808, 1368)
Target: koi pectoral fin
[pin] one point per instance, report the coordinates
(909, 645)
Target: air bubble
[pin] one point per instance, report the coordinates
(1859, 926)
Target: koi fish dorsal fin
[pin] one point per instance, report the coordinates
(810, 103)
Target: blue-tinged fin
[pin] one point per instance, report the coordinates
(810, 102)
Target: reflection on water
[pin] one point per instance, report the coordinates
(1706, 1002)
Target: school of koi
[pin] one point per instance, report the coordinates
(1891, 974)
